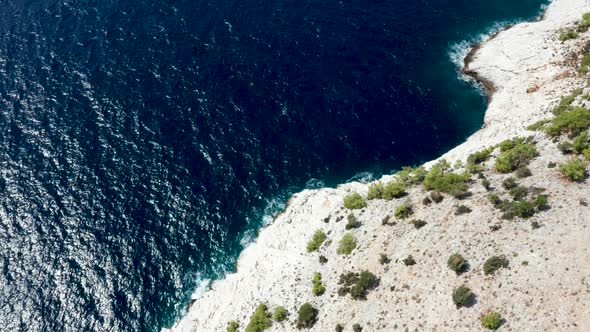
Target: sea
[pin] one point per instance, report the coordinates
(143, 143)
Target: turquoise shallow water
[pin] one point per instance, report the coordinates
(143, 143)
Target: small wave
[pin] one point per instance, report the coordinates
(202, 287)
(362, 177)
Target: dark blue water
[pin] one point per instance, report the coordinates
(142, 142)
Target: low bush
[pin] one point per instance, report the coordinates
(522, 209)
(357, 285)
(486, 184)
(409, 261)
(426, 201)
(383, 259)
(575, 169)
(494, 263)
(551, 164)
(307, 316)
(436, 197)
(316, 241)
(495, 200)
(375, 191)
(352, 222)
(518, 193)
(385, 220)
(580, 143)
(565, 104)
(480, 156)
(523, 172)
(279, 314)
(323, 259)
(514, 154)
(357, 328)
(509, 183)
(318, 287)
(584, 23)
(440, 178)
(394, 189)
(585, 64)
(538, 125)
(492, 320)
(572, 122)
(462, 209)
(260, 320)
(403, 211)
(418, 223)
(354, 201)
(462, 296)
(565, 147)
(409, 176)
(567, 35)
(346, 245)
(457, 263)
(339, 328)
(232, 326)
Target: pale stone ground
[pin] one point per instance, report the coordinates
(550, 293)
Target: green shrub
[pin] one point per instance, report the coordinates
(519, 193)
(357, 285)
(439, 178)
(586, 153)
(522, 209)
(494, 263)
(514, 154)
(317, 287)
(584, 23)
(426, 201)
(233, 326)
(457, 263)
(540, 202)
(354, 201)
(585, 64)
(323, 259)
(307, 316)
(375, 191)
(352, 222)
(495, 200)
(357, 328)
(572, 122)
(383, 259)
(480, 156)
(418, 223)
(346, 245)
(260, 320)
(436, 197)
(567, 35)
(339, 328)
(409, 261)
(538, 125)
(316, 241)
(565, 147)
(411, 176)
(462, 296)
(385, 220)
(279, 314)
(462, 209)
(403, 211)
(575, 169)
(523, 172)
(492, 320)
(565, 104)
(580, 143)
(393, 190)
(551, 164)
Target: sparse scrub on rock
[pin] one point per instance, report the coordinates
(584, 23)
(418, 223)
(260, 320)
(486, 184)
(346, 245)
(318, 287)
(523, 172)
(462, 209)
(352, 222)
(411, 175)
(409, 261)
(565, 147)
(307, 316)
(354, 201)
(394, 189)
(462, 296)
(383, 259)
(585, 64)
(575, 169)
(457, 263)
(232, 326)
(491, 320)
(509, 183)
(494, 263)
(580, 143)
(514, 154)
(316, 241)
(436, 197)
(279, 314)
(375, 191)
(518, 193)
(404, 211)
(357, 285)
(572, 122)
